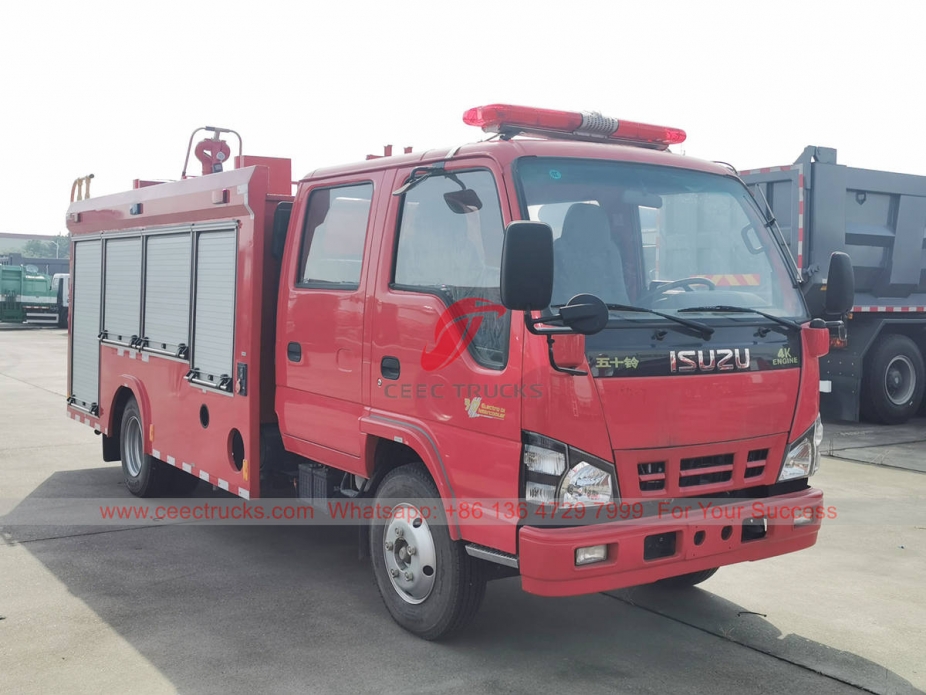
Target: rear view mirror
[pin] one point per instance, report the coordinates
(527, 266)
(642, 199)
(462, 202)
(751, 240)
(840, 285)
(585, 314)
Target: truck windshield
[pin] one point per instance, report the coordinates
(657, 238)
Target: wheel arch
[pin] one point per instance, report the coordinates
(871, 333)
(130, 387)
(393, 443)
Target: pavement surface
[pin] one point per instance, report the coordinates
(900, 446)
(199, 609)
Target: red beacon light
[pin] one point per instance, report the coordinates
(509, 120)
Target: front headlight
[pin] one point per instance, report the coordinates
(555, 472)
(803, 457)
(585, 484)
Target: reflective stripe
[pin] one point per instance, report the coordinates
(734, 280)
(889, 309)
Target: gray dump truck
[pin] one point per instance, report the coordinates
(875, 366)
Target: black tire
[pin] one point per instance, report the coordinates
(144, 475)
(894, 379)
(684, 581)
(459, 581)
(62, 318)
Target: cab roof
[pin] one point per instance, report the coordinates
(505, 151)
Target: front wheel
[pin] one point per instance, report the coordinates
(429, 584)
(894, 381)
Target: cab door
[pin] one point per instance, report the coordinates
(320, 332)
(442, 354)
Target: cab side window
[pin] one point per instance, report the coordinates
(450, 245)
(333, 237)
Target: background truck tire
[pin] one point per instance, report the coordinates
(144, 475)
(445, 586)
(893, 382)
(686, 580)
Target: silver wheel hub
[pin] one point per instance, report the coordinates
(408, 549)
(900, 380)
(134, 447)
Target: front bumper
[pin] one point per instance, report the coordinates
(547, 556)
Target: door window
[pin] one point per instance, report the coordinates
(333, 237)
(450, 245)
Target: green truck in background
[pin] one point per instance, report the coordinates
(28, 296)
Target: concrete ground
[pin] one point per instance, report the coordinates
(178, 608)
(900, 446)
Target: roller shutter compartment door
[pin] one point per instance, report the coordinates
(122, 295)
(214, 321)
(85, 323)
(167, 292)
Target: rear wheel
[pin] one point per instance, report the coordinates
(144, 475)
(429, 584)
(894, 381)
(685, 580)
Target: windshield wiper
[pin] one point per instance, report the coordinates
(702, 328)
(744, 310)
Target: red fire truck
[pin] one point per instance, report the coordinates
(561, 326)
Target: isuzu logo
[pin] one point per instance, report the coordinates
(723, 360)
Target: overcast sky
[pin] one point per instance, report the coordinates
(116, 88)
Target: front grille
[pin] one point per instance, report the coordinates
(705, 470)
(652, 476)
(755, 463)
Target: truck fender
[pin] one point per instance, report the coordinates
(133, 384)
(418, 438)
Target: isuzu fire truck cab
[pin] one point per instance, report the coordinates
(547, 352)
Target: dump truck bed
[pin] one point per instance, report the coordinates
(877, 217)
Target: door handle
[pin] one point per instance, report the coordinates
(390, 368)
(294, 352)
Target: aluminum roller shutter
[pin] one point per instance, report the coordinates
(214, 322)
(85, 323)
(167, 291)
(122, 283)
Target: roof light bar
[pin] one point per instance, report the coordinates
(510, 120)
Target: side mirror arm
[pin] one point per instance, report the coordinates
(556, 367)
(837, 329)
(531, 323)
(549, 331)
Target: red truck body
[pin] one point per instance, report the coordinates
(350, 374)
